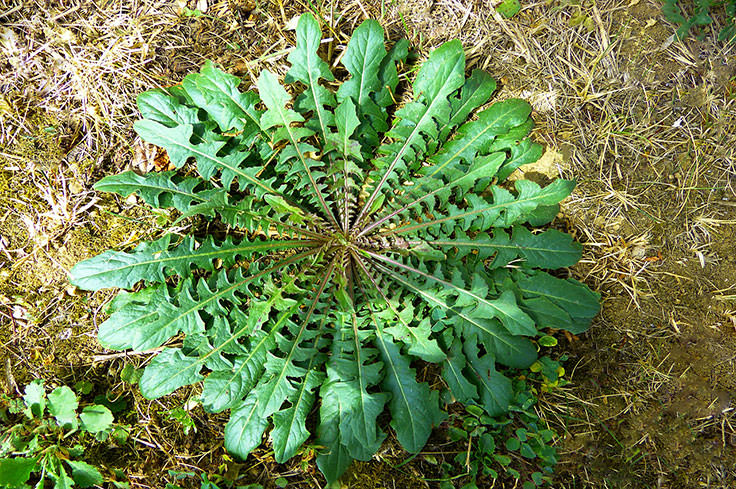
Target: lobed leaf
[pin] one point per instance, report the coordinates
(244, 430)
(241, 164)
(155, 261)
(278, 116)
(307, 67)
(550, 249)
(504, 210)
(217, 93)
(289, 429)
(166, 108)
(438, 77)
(363, 58)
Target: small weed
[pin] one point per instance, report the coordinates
(212, 481)
(45, 435)
(700, 14)
(516, 444)
(180, 415)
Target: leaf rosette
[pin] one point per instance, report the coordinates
(360, 240)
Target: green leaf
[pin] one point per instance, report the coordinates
(504, 307)
(477, 136)
(388, 74)
(558, 303)
(352, 372)
(476, 91)
(415, 336)
(84, 474)
(289, 429)
(503, 211)
(502, 459)
(155, 261)
(147, 320)
(61, 478)
(548, 341)
(433, 192)
(244, 431)
(158, 189)
(537, 477)
(414, 407)
(14, 472)
(550, 249)
(35, 398)
(522, 151)
(347, 122)
(167, 372)
(177, 143)
(508, 350)
(472, 321)
(308, 68)
(282, 118)
(164, 107)
(462, 389)
(96, 418)
(217, 92)
(363, 58)
(226, 388)
(508, 8)
(527, 451)
(130, 374)
(334, 459)
(63, 405)
(512, 444)
(84, 387)
(494, 388)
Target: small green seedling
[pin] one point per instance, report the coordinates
(515, 445)
(45, 437)
(701, 13)
(209, 481)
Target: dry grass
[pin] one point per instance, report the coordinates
(646, 126)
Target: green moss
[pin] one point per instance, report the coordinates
(52, 326)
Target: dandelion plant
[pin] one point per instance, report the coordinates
(350, 244)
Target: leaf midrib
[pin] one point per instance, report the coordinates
(501, 313)
(237, 103)
(200, 255)
(429, 296)
(400, 154)
(404, 229)
(199, 305)
(510, 246)
(489, 127)
(221, 161)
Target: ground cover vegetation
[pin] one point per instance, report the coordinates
(701, 15)
(642, 121)
(39, 443)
